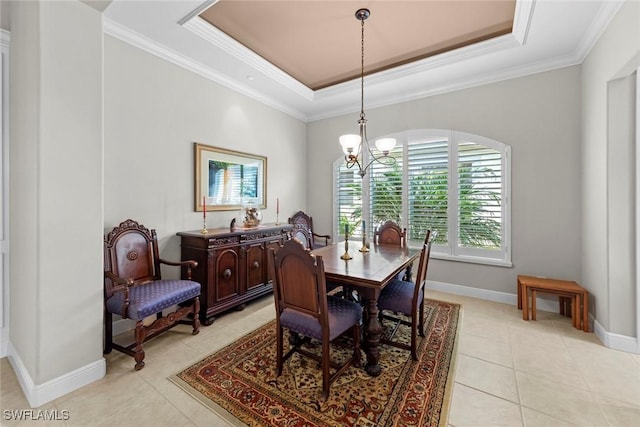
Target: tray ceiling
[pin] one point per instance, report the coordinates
(302, 57)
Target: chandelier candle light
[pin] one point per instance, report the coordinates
(351, 143)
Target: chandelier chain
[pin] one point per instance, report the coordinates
(362, 70)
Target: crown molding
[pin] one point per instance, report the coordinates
(522, 20)
(425, 65)
(219, 39)
(606, 13)
(455, 70)
(462, 83)
(133, 38)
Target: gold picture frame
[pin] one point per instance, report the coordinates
(227, 180)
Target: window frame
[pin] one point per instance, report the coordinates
(452, 251)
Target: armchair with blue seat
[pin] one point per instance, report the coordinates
(134, 288)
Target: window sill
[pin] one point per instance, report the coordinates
(472, 260)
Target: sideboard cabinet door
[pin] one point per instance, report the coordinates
(226, 269)
(255, 255)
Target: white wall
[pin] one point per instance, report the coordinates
(154, 112)
(539, 117)
(56, 196)
(607, 276)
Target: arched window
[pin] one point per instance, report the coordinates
(451, 182)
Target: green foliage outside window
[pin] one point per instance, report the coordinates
(429, 203)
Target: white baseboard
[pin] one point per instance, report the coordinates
(616, 341)
(4, 341)
(611, 340)
(39, 394)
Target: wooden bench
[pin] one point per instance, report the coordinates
(573, 298)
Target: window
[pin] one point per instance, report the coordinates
(454, 183)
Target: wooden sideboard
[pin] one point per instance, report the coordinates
(232, 265)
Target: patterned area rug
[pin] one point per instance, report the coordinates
(240, 380)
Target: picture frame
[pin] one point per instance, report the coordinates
(228, 180)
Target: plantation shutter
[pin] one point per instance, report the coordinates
(385, 183)
(428, 188)
(480, 183)
(453, 183)
(348, 198)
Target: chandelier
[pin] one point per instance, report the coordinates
(352, 143)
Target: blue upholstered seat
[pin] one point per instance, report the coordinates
(342, 315)
(397, 296)
(153, 297)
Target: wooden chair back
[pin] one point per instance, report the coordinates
(423, 264)
(390, 233)
(303, 231)
(131, 251)
(299, 281)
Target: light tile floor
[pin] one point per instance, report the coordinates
(508, 373)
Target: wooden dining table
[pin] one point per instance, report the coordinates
(368, 273)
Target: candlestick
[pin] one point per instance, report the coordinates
(364, 247)
(204, 215)
(346, 255)
(277, 211)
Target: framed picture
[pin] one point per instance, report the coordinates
(227, 180)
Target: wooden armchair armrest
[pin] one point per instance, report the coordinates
(122, 285)
(189, 264)
(326, 237)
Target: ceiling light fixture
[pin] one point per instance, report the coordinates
(352, 143)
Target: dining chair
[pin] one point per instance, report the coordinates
(303, 231)
(390, 233)
(304, 309)
(407, 298)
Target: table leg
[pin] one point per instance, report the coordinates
(372, 333)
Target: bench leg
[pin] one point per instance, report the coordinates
(533, 304)
(525, 303)
(519, 294)
(585, 311)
